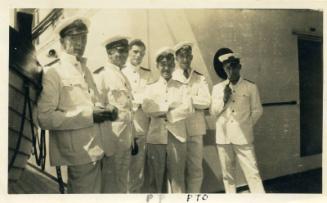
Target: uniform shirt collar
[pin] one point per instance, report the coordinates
(83, 60)
(131, 67)
(69, 58)
(114, 66)
(164, 81)
(179, 75)
(79, 65)
(189, 70)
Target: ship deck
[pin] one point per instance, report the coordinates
(33, 181)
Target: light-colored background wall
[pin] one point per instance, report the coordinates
(268, 51)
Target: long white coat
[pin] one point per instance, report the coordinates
(65, 108)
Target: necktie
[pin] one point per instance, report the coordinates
(186, 74)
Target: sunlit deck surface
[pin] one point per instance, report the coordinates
(33, 181)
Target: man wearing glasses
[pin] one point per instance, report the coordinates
(115, 92)
(168, 104)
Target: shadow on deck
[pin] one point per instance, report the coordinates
(305, 182)
(34, 182)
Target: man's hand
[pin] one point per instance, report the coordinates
(164, 116)
(227, 93)
(158, 114)
(174, 104)
(113, 111)
(100, 114)
(134, 147)
(136, 105)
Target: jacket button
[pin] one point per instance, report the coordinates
(233, 101)
(233, 111)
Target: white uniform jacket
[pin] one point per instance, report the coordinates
(235, 120)
(115, 89)
(65, 108)
(172, 99)
(199, 91)
(138, 78)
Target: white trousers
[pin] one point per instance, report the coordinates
(115, 167)
(85, 178)
(246, 156)
(115, 172)
(194, 171)
(109, 182)
(136, 168)
(170, 159)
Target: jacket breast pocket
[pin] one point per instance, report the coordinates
(72, 89)
(72, 82)
(243, 102)
(243, 97)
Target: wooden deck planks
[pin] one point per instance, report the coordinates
(33, 182)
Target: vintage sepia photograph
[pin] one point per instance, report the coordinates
(163, 100)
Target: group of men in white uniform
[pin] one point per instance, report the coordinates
(121, 129)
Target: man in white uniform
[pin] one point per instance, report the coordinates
(66, 108)
(168, 103)
(115, 90)
(138, 78)
(195, 124)
(236, 103)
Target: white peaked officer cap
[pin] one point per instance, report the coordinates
(115, 41)
(183, 45)
(164, 51)
(72, 26)
(228, 56)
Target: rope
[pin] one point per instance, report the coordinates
(38, 144)
(60, 181)
(21, 129)
(40, 160)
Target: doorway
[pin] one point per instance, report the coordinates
(311, 91)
